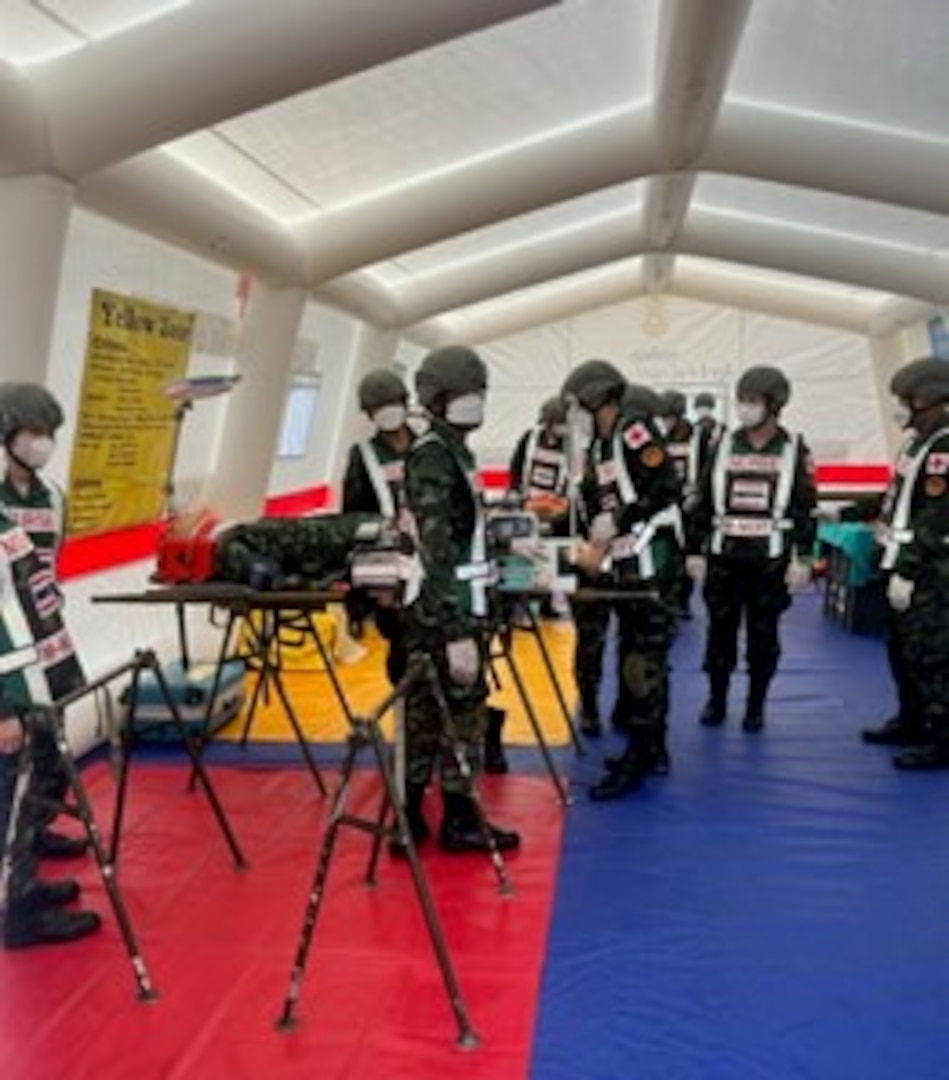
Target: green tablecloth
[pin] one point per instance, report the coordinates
(855, 540)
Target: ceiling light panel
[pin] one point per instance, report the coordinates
(758, 280)
(621, 204)
(213, 157)
(803, 208)
(881, 63)
(496, 89)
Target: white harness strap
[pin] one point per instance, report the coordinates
(897, 533)
(728, 524)
(380, 485)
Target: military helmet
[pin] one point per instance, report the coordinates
(27, 405)
(379, 388)
(765, 382)
(553, 411)
(673, 403)
(925, 381)
(593, 383)
(640, 399)
(448, 372)
(705, 400)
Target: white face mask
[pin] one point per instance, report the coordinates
(33, 450)
(903, 415)
(390, 417)
(750, 413)
(466, 411)
(703, 412)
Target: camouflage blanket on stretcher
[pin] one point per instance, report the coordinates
(280, 553)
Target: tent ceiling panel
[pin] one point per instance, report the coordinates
(35, 31)
(466, 99)
(621, 204)
(882, 63)
(457, 166)
(823, 210)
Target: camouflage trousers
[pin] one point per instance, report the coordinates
(924, 647)
(591, 620)
(746, 590)
(23, 849)
(646, 628)
(430, 742)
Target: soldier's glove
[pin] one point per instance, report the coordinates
(696, 566)
(899, 593)
(602, 529)
(464, 661)
(799, 574)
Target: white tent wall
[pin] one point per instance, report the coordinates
(101, 254)
(670, 342)
(328, 342)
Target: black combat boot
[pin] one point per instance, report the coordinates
(494, 759)
(899, 730)
(626, 774)
(54, 845)
(754, 708)
(418, 826)
(715, 711)
(54, 893)
(930, 756)
(28, 923)
(461, 829)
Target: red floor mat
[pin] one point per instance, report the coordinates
(219, 945)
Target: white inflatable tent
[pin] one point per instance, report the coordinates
(683, 186)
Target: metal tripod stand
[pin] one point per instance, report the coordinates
(106, 852)
(365, 732)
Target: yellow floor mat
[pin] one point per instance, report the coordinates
(365, 685)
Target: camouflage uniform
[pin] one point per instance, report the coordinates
(914, 536)
(678, 435)
(630, 495)
(592, 618)
(37, 665)
(283, 552)
(374, 483)
(40, 511)
(444, 506)
(646, 626)
(750, 535)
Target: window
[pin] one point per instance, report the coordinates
(298, 414)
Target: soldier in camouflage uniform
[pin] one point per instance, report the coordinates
(29, 418)
(37, 665)
(914, 534)
(754, 519)
(592, 618)
(445, 608)
(373, 484)
(630, 493)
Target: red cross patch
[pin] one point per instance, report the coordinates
(937, 464)
(636, 436)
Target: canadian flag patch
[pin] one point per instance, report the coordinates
(937, 464)
(636, 436)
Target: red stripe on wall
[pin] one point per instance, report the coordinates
(118, 547)
(829, 473)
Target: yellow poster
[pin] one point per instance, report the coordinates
(125, 429)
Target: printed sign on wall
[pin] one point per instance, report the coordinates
(125, 430)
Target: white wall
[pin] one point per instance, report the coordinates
(670, 342)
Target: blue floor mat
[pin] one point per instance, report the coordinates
(775, 909)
